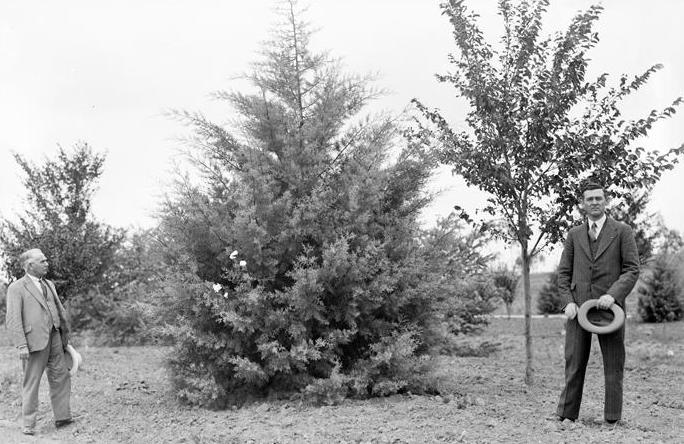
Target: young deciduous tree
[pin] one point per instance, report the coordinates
(58, 220)
(538, 126)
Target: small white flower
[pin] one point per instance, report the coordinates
(225, 295)
(670, 353)
(243, 264)
(216, 287)
(233, 255)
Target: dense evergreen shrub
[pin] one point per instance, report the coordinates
(659, 296)
(549, 300)
(298, 264)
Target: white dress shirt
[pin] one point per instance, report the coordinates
(599, 224)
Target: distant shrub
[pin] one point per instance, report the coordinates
(506, 282)
(113, 319)
(3, 301)
(549, 300)
(678, 266)
(127, 319)
(659, 296)
(124, 311)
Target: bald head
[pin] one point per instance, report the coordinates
(34, 262)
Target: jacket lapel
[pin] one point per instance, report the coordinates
(51, 288)
(584, 240)
(609, 234)
(31, 288)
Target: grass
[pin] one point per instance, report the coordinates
(123, 395)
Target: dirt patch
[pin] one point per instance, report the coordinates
(123, 396)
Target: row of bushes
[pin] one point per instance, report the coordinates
(659, 291)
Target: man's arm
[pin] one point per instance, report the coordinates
(565, 277)
(565, 270)
(630, 267)
(15, 322)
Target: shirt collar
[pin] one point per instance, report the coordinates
(599, 223)
(34, 279)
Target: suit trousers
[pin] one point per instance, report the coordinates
(577, 348)
(59, 379)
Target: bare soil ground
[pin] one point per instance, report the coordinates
(123, 395)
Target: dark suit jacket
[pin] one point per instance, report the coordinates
(28, 318)
(613, 271)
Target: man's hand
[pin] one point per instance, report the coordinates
(23, 353)
(571, 310)
(605, 301)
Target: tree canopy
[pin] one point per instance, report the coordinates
(340, 291)
(59, 221)
(538, 127)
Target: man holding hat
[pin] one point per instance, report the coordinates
(599, 261)
(37, 324)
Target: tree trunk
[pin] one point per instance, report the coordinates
(508, 309)
(529, 371)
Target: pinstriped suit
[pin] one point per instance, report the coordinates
(586, 271)
(30, 323)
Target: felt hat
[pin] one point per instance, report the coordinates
(73, 359)
(598, 321)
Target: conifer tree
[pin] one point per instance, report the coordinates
(659, 296)
(549, 300)
(300, 262)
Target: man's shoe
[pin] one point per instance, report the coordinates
(559, 418)
(63, 422)
(28, 431)
(612, 421)
(555, 417)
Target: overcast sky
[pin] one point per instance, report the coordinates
(107, 73)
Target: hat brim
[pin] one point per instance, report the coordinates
(72, 359)
(614, 325)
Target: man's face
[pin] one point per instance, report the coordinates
(594, 203)
(38, 265)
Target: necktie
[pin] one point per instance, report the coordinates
(42, 287)
(52, 308)
(593, 231)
